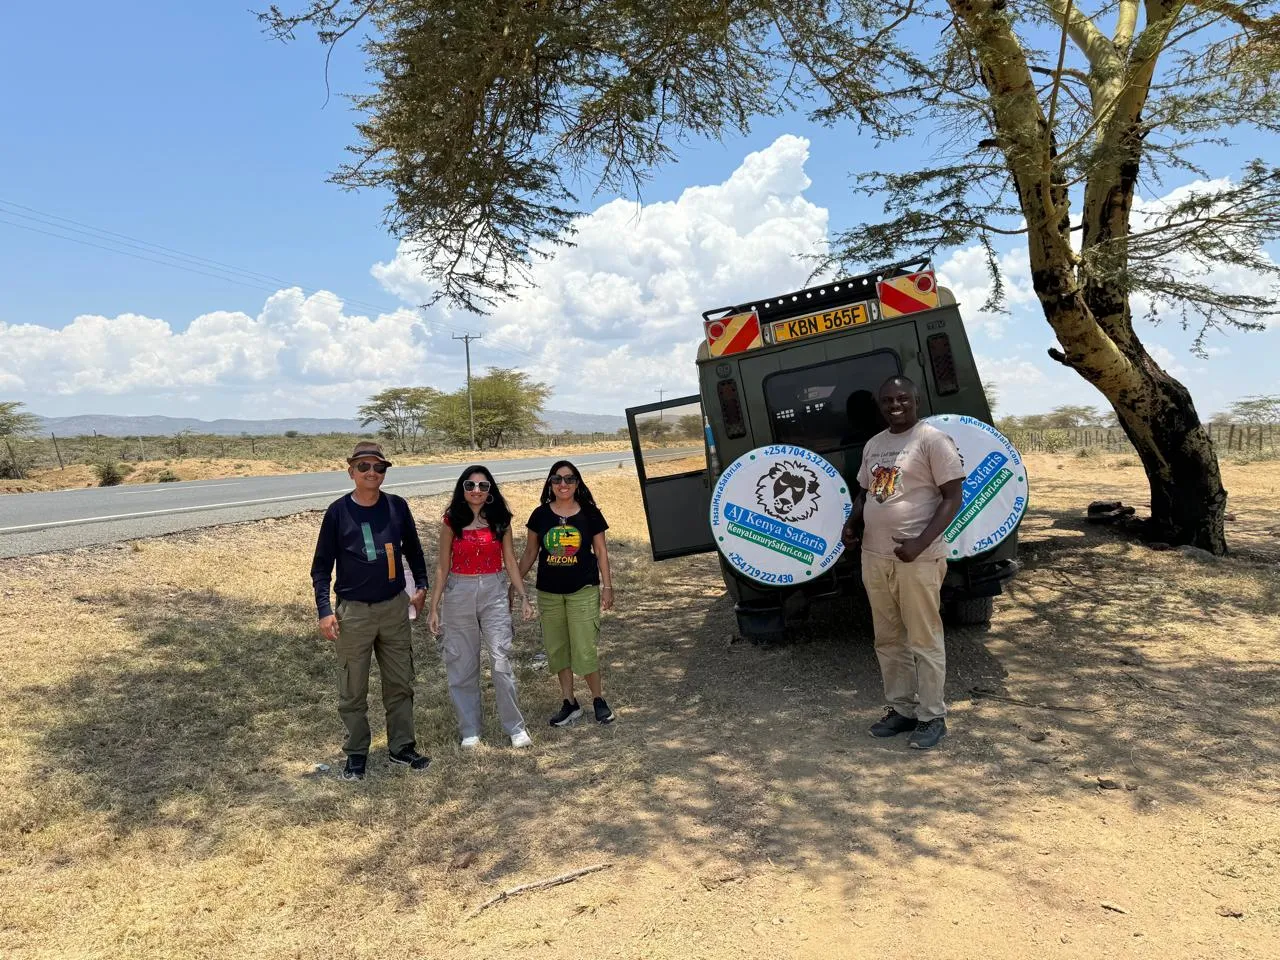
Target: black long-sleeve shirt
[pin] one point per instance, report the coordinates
(370, 546)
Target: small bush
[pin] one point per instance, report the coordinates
(167, 476)
(291, 434)
(109, 474)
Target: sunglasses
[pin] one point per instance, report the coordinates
(481, 485)
(558, 481)
(364, 466)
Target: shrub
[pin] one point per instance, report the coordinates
(167, 476)
(108, 473)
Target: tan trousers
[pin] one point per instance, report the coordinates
(910, 644)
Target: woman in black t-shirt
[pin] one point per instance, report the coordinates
(566, 537)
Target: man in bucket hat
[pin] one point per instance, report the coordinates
(371, 535)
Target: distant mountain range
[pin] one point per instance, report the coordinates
(557, 421)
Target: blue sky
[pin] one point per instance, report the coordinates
(183, 125)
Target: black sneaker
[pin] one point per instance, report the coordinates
(928, 733)
(409, 757)
(603, 713)
(569, 712)
(892, 724)
(354, 770)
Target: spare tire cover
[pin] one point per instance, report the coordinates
(995, 486)
(777, 513)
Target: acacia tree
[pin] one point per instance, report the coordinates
(15, 423)
(400, 412)
(507, 404)
(485, 114)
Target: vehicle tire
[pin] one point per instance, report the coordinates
(973, 612)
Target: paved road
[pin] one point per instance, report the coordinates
(65, 519)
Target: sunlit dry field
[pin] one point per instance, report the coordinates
(1108, 789)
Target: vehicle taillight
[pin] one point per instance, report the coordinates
(731, 409)
(944, 364)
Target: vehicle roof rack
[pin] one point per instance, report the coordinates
(811, 298)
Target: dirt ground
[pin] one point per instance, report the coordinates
(215, 468)
(1109, 787)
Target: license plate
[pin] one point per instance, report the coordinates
(820, 323)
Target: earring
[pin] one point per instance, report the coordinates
(489, 499)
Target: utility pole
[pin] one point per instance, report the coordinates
(466, 339)
(660, 392)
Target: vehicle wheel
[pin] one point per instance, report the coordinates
(973, 612)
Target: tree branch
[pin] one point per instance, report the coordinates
(1100, 51)
(1233, 12)
(1057, 75)
(1064, 72)
(1126, 22)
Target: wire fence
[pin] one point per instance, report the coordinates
(1256, 439)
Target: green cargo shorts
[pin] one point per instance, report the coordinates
(570, 628)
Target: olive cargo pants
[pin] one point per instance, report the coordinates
(366, 630)
(910, 644)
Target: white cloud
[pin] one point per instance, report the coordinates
(965, 274)
(1008, 371)
(606, 322)
(297, 343)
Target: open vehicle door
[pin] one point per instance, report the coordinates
(671, 462)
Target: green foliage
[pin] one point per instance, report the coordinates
(400, 413)
(483, 114)
(167, 476)
(109, 473)
(14, 421)
(507, 404)
(689, 427)
(1257, 410)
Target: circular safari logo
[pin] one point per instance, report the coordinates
(777, 513)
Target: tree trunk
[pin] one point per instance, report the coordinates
(1188, 501)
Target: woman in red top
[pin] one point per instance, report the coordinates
(475, 548)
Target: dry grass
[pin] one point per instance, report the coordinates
(165, 703)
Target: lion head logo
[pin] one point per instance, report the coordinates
(789, 491)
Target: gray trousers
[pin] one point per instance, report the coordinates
(474, 608)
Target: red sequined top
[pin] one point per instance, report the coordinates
(476, 552)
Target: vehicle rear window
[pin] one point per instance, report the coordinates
(830, 405)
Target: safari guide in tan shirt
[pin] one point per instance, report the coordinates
(910, 490)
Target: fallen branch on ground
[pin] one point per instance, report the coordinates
(536, 885)
(985, 694)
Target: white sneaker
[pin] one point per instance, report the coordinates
(470, 743)
(521, 739)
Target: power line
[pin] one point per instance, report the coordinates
(75, 231)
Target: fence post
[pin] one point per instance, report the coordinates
(61, 466)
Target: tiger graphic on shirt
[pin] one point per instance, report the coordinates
(884, 481)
